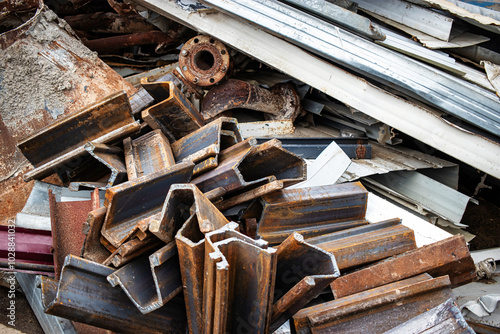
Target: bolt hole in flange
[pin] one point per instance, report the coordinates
(205, 59)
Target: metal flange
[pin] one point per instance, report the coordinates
(204, 61)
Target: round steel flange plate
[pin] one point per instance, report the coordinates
(204, 61)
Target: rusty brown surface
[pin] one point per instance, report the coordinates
(147, 154)
(282, 101)
(175, 116)
(204, 61)
(244, 274)
(103, 305)
(376, 310)
(446, 257)
(70, 132)
(190, 212)
(207, 141)
(244, 166)
(156, 278)
(249, 195)
(369, 243)
(182, 201)
(68, 77)
(215, 297)
(297, 297)
(309, 211)
(116, 43)
(302, 273)
(67, 220)
(131, 202)
(92, 248)
(110, 23)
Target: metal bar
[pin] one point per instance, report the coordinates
(183, 201)
(150, 281)
(109, 23)
(139, 247)
(147, 154)
(425, 193)
(73, 131)
(428, 21)
(366, 244)
(187, 207)
(341, 16)
(281, 100)
(77, 156)
(344, 86)
(309, 211)
(214, 291)
(93, 250)
(376, 310)
(243, 165)
(446, 313)
(175, 116)
(49, 323)
(303, 271)
(447, 257)
(470, 103)
(102, 305)
(67, 219)
(297, 297)
(249, 195)
(116, 43)
(249, 292)
(311, 148)
(133, 201)
(31, 245)
(109, 156)
(207, 141)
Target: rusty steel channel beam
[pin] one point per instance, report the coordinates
(74, 131)
(112, 158)
(376, 310)
(303, 271)
(444, 318)
(93, 250)
(186, 207)
(309, 211)
(249, 195)
(214, 294)
(280, 101)
(446, 257)
(244, 287)
(368, 243)
(131, 202)
(67, 220)
(83, 294)
(150, 281)
(174, 115)
(183, 201)
(204, 145)
(147, 154)
(244, 166)
(204, 61)
(132, 249)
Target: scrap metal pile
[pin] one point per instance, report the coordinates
(200, 232)
(192, 225)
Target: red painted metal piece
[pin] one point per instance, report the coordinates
(67, 220)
